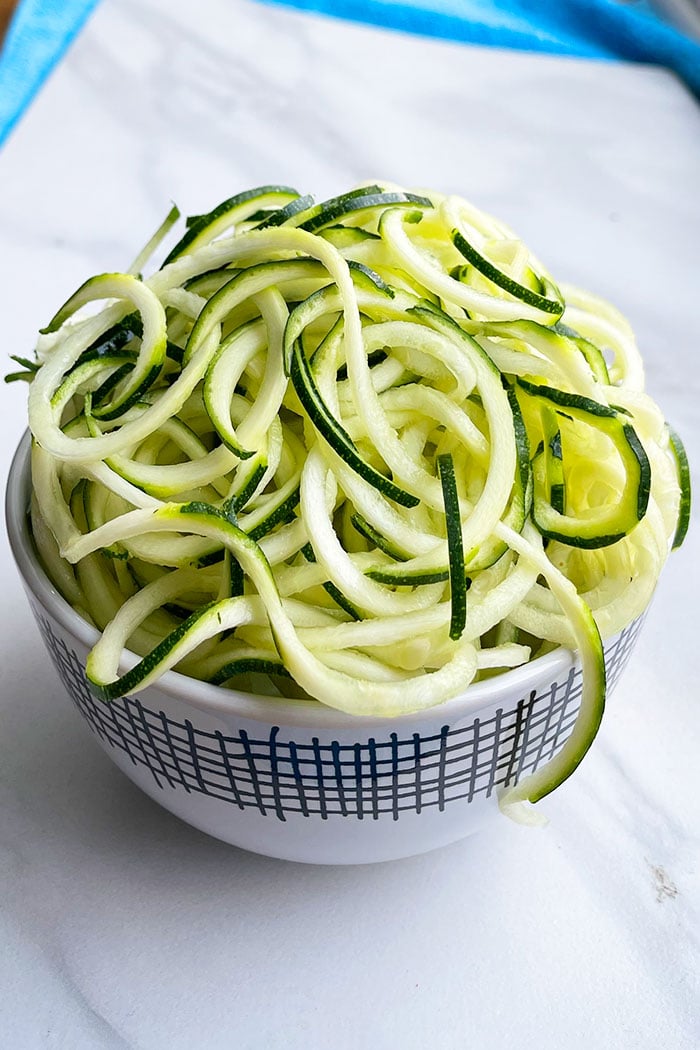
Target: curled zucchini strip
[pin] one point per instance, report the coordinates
(367, 444)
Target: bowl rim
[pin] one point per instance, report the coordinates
(213, 699)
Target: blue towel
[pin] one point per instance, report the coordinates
(42, 30)
(38, 36)
(587, 28)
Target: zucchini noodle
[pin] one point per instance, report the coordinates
(363, 452)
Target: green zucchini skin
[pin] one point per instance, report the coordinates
(458, 581)
(227, 213)
(548, 300)
(683, 467)
(548, 469)
(338, 438)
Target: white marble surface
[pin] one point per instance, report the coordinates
(120, 926)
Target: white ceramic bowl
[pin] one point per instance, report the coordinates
(301, 781)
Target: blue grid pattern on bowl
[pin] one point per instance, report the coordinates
(367, 778)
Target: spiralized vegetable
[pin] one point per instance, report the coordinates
(364, 451)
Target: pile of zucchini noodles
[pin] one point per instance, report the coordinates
(367, 445)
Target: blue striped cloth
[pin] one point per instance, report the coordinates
(607, 29)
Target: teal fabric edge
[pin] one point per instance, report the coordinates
(597, 29)
(39, 34)
(42, 31)
(486, 23)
